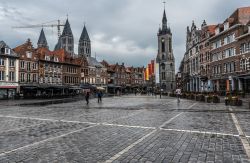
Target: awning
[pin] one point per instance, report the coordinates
(29, 87)
(8, 87)
(87, 86)
(75, 88)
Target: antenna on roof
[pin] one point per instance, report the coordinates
(164, 2)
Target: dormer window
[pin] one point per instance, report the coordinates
(226, 25)
(56, 59)
(47, 58)
(217, 30)
(29, 54)
(7, 50)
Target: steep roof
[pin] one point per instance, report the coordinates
(93, 62)
(241, 16)
(42, 39)
(84, 35)
(4, 45)
(58, 45)
(67, 29)
(164, 18)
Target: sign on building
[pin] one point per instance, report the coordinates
(157, 75)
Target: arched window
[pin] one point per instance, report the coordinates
(163, 66)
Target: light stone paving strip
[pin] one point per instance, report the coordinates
(129, 147)
(243, 137)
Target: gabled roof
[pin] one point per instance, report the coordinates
(67, 30)
(42, 42)
(84, 35)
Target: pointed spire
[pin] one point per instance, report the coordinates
(42, 42)
(67, 29)
(84, 35)
(164, 19)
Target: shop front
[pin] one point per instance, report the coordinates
(8, 90)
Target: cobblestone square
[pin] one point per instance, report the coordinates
(124, 129)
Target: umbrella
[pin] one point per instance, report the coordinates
(100, 88)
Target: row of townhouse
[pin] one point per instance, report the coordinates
(217, 56)
(124, 79)
(32, 72)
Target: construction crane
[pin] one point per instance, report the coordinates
(58, 25)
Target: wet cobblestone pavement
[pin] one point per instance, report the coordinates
(125, 129)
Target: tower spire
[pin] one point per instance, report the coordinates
(164, 18)
(42, 42)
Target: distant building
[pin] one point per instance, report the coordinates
(9, 69)
(165, 57)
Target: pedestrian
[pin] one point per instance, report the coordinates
(87, 97)
(178, 94)
(99, 96)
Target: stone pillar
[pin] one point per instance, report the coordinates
(7, 70)
(232, 84)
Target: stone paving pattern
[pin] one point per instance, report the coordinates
(116, 128)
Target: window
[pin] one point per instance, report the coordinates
(229, 52)
(7, 51)
(28, 78)
(11, 63)
(163, 45)
(163, 66)
(1, 62)
(11, 76)
(47, 58)
(163, 77)
(22, 64)
(34, 66)
(28, 66)
(2, 75)
(29, 54)
(22, 77)
(170, 45)
(34, 78)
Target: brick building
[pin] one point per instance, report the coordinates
(28, 69)
(225, 51)
(217, 56)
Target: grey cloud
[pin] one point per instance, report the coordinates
(134, 22)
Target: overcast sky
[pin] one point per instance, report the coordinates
(120, 30)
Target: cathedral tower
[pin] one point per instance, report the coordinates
(66, 40)
(84, 46)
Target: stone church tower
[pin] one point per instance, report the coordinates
(165, 57)
(84, 46)
(66, 40)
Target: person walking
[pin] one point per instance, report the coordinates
(178, 94)
(87, 97)
(99, 96)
